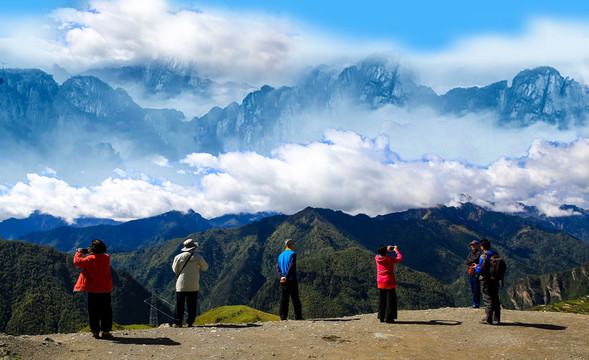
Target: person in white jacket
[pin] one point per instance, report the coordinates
(187, 266)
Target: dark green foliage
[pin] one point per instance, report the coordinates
(37, 283)
(36, 286)
(434, 244)
(344, 283)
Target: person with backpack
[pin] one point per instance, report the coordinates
(490, 271)
(473, 278)
(187, 266)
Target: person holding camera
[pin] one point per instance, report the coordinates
(385, 277)
(473, 277)
(187, 266)
(95, 279)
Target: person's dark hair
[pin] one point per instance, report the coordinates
(486, 244)
(382, 250)
(98, 247)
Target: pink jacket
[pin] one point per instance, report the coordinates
(385, 270)
(95, 276)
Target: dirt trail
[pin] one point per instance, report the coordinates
(448, 333)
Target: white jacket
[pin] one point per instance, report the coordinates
(190, 276)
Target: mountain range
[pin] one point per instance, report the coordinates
(335, 264)
(336, 257)
(89, 119)
(45, 229)
(576, 224)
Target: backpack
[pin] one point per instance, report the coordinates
(497, 268)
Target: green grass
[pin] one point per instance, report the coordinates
(578, 306)
(237, 314)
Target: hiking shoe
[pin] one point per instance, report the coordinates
(96, 335)
(106, 335)
(176, 326)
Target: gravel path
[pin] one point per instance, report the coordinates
(448, 333)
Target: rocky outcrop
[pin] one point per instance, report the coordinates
(536, 95)
(530, 290)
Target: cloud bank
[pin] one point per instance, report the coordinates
(344, 171)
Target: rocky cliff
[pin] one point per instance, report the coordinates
(532, 290)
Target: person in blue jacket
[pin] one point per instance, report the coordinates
(490, 286)
(287, 270)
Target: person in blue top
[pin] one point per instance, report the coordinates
(287, 270)
(490, 286)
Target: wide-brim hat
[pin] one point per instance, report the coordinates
(189, 244)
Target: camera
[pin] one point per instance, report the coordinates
(85, 251)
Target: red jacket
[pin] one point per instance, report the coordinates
(385, 270)
(95, 275)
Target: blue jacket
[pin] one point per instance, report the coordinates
(287, 265)
(484, 266)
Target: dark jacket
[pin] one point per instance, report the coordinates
(473, 259)
(484, 266)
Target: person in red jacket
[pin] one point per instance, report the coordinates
(95, 279)
(385, 277)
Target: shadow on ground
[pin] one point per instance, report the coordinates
(537, 326)
(430, 322)
(353, 319)
(144, 341)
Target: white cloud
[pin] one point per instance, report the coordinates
(123, 32)
(344, 171)
(264, 48)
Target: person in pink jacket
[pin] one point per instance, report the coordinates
(95, 279)
(385, 277)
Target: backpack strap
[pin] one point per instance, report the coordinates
(186, 263)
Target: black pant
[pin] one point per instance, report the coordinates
(191, 298)
(290, 288)
(100, 312)
(491, 300)
(387, 305)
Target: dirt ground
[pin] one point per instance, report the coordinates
(448, 333)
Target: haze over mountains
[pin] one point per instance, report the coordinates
(88, 141)
(104, 124)
(47, 230)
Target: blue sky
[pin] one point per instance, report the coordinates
(418, 25)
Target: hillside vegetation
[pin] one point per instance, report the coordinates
(335, 258)
(36, 283)
(577, 306)
(238, 314)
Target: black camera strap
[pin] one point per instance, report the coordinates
(186, 263)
